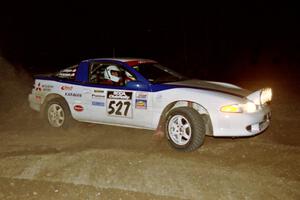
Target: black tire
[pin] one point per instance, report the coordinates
(60, 103)
(197, 128)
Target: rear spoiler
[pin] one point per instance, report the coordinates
(260, 97)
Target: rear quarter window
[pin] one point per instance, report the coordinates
(68, 73)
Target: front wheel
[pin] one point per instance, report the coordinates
(185, 129)
(57, 113)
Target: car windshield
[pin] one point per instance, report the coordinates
(156, 73)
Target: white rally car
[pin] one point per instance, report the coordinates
(143, 94)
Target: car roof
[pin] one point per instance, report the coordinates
(129, 61)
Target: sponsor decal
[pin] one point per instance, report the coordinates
(141, 95)
(99, 91)
(78, 108)
(66, 87)
(73, 94)
(47, 88)
(97, 103)
(119, 95)
(141, 104)
(38, 98)
(118, 104)
(98, 96)
(39, 87)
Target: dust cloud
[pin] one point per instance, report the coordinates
(15, 85)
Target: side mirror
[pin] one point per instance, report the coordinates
(137, 85)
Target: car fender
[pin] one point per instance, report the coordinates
(210, 101)
(48, 98)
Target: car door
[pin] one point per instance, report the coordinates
(115, 103)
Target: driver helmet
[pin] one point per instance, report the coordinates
(111, 75)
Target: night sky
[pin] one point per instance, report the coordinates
(205, 41)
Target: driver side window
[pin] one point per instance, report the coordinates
(109, 74)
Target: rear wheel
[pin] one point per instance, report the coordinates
(57, 113)
(185, 129)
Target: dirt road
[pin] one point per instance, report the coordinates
(104, 162)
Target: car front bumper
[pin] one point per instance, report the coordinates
(242, 124)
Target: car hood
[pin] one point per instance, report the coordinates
(213, 86)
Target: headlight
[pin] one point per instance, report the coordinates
(266, 95)
(248, 107)
(260, 97)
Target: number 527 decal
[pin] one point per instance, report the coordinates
(119, 104)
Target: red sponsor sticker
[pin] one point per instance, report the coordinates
(78, 108)
(65, 87)
(38, 98)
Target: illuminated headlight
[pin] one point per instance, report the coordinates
(248, 107)
(266, 95)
